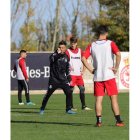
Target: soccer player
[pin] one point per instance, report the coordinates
(102, 52)
(59, 77)
(75, 54)
(22, 77)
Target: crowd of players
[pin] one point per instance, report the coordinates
(66, 69)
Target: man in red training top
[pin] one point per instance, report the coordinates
(75, 54)
(22, 77)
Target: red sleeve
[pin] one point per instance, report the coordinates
(23, 68)
(67, 53)
(87, 52)
(114, 47)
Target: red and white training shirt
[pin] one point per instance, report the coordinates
(20, 68)
(75, 61)
(102, 53)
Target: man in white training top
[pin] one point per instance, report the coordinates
(76, 68)
(102, 52)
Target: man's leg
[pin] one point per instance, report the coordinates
(82, 96)
(99, 92)
(26, 88)
(114, 104)
(98, 109)
(115, 109)
(72, 84)
(112, 91)
(67, 90)
(51, 89)
(20, 88)
(72, 89)
(80, 84)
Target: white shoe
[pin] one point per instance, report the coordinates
(74, 109)
(21, 103)
(87, 109)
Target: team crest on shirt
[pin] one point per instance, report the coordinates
(50, 86)
(65, 60)
(124, 74)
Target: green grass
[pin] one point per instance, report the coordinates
(55, 124)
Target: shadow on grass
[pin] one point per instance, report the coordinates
(20, 111)
(29, 110)
(23, 108)
(53, 123)
(35, 108)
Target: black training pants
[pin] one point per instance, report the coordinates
(23, 84)
(52, 88)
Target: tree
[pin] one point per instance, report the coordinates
(76, 13)
(43, 25)
(28, 30)
(57, 20)
(13, 46)
(115, 14)
(16, 14)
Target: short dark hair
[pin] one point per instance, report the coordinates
(22, 51)
(62, 42)
(73, 39)
(102, 29)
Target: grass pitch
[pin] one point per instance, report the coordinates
(55, 124)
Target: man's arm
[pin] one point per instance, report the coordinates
(86, 64)
(23, 68)
(55, 56)
(118, 60)
(83, 70)
(68, 71)
(115, 50)
(85, 55)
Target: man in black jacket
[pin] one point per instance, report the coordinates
(59, 77)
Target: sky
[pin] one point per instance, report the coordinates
(47, 7)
